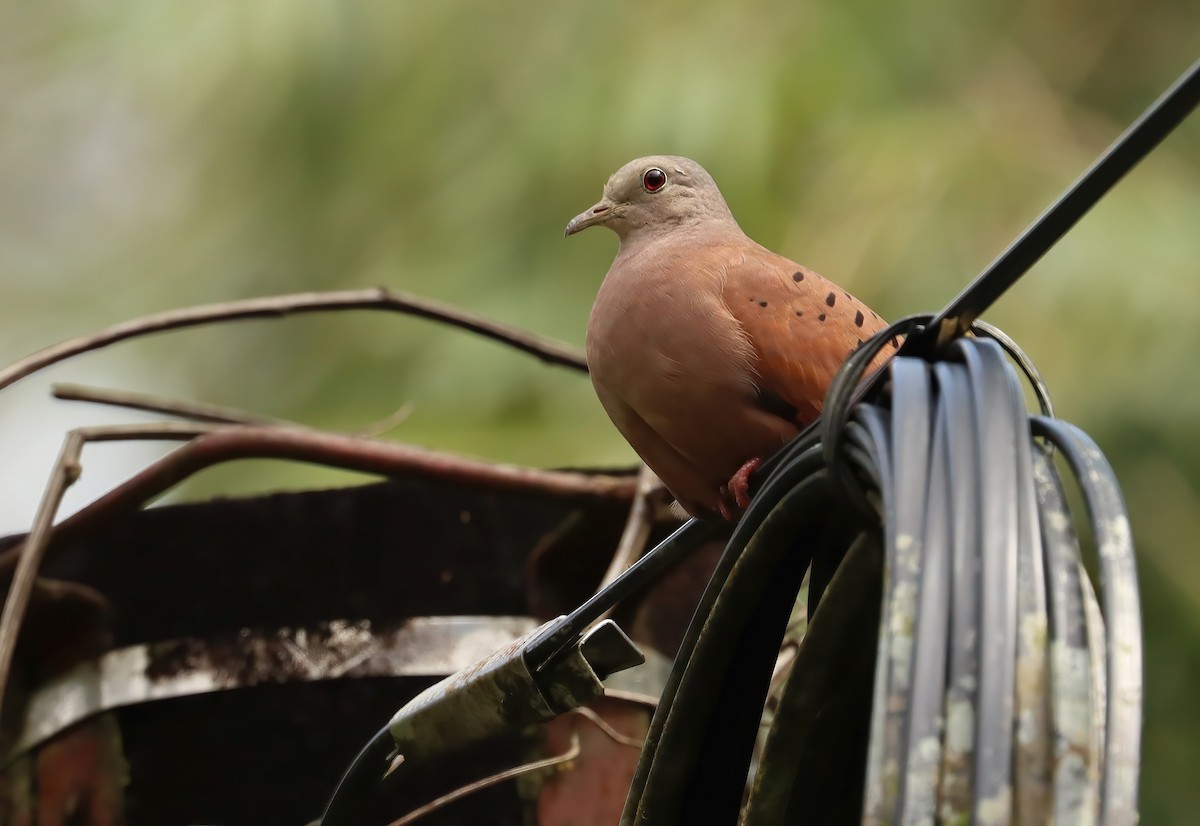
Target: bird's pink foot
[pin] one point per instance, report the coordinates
(739, 483)
(735, 495)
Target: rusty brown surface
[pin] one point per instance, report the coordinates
(387, 552)
(16, 792)
(81, 777)
(76, 780)
(591, 790)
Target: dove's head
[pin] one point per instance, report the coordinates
(653, 195)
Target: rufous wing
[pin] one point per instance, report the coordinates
(801, 325)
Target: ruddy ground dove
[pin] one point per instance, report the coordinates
(707, 350)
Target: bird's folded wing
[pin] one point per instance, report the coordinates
(802, 327)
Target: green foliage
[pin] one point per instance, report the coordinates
(161, 154)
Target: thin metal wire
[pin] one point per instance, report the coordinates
(491, 780)
(359, 781)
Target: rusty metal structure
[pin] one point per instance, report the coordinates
(221, 662)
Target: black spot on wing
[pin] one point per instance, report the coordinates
(858, 319)
(797, 276)
(831, 299)
(821, 317)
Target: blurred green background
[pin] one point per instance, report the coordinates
(155, 155)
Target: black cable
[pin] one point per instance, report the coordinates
(998, 430)
(795, 469)
(983, 587)
(962, 663)
(556, 637)
(1158, 121)
(848, 388)
(910, 438)
(359, 782)
(1070, 646)
(711, 718)
(813, 754)
(1122, 615)
(931, 617)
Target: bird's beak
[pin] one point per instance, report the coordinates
(597, 214)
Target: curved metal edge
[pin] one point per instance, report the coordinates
(416, 647)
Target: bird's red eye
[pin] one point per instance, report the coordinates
(654, 179)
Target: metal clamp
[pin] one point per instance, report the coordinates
(501, 693)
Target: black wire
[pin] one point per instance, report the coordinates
(1034, 748)
(790, 473)
(958, 509)
(911, 442)
(359, 782)
(811, 763)
(1070, 644)
(1158, 121)
(1122, 615)
(997, 430)
(708, 724)
(556, 637)
(931, 615)
(845, 392)
(966, 492)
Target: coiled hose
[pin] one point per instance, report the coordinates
(957, 666)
